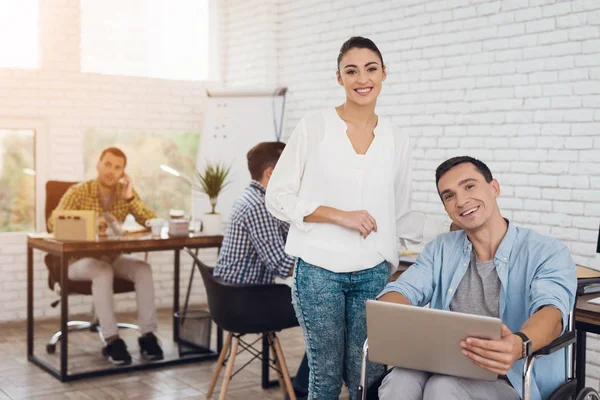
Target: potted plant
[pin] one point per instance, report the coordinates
(212, 181)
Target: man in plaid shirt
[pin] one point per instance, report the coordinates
(112, 196)
(254, 241)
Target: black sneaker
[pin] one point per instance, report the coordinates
(116, 352)
(149, 347)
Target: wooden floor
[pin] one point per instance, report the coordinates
(20, 379)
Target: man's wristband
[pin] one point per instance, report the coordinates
(527, 346)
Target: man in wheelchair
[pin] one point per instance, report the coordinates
(492, 268)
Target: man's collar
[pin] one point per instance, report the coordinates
(258, 186)
(506, 245)
(96, 187)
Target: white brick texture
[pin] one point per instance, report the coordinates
(513, 82)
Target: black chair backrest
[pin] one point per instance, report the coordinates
(54, 192)
(247, 308)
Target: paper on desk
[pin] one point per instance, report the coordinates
(41, 235)
(411, 250)
(134, 229)
(594, 301)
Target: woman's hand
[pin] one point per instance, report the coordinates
(361, 221)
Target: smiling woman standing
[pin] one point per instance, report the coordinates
(343, 182)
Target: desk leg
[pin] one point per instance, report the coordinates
(29, 301)
(176, 296)
(64, 316)
(580, 359)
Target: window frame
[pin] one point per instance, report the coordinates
(41, 164)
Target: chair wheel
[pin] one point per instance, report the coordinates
(588, 394)
(50, 348)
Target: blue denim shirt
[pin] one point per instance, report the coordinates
(534, 271)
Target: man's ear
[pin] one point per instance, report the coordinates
(268, 172)
(495, 187)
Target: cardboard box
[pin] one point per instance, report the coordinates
(78, 225)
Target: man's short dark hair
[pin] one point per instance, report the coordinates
(453, 162)
(115, 151)
(263, 156)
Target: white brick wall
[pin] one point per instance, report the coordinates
(68, 103)
(515, 83)
(249, 44)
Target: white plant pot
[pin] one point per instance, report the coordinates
(212, 224)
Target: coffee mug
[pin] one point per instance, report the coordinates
(156, 225)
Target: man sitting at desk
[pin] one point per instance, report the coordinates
(112, 196)
(491, 268)
(254, 241)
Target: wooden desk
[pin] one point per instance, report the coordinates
(129, 243)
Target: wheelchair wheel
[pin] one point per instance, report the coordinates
(588, 394)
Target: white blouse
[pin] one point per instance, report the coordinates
(319, 167)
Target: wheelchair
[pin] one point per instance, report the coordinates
(566, 391)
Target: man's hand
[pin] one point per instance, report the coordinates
(102, 225)
(360, 221)
(127, 187)
(497, 356)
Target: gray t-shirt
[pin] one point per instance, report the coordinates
(479, 290)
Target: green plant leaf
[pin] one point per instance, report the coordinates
(213, 180)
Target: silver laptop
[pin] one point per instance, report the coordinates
(426, 339)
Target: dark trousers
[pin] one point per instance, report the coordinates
(301, 379)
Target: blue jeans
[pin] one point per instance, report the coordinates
(331, 310)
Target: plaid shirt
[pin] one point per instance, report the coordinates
(253, 246)
(86, 196)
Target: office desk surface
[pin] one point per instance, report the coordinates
(138, 242)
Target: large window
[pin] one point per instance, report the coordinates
(149, 38)
(19, 33)
(17, 180)
(146, 152)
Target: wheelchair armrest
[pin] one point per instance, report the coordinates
(566, 339)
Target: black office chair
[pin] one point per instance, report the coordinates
(54, 192)
(567, 391)
(248, 309)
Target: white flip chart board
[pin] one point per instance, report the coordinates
(234, 122)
